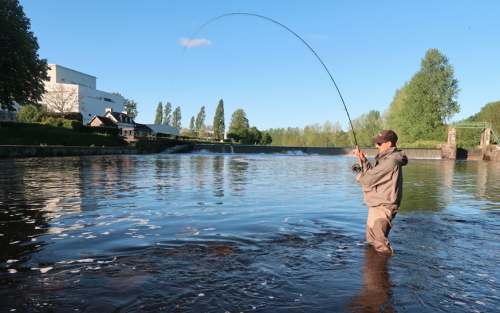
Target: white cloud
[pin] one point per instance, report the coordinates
(195, 42)
(313, 36)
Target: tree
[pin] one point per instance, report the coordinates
(391, 119)
(219, 124)
(431, 95)
(254, 135)
(192, 130)
(22, 71)
(63, 99)
(205, 131)
(159, 113)
(239, 125)
(30, 114)
(200, 119)
(366, 126)
(266, 139)
(130, 106)
(176, 118)
(168, 118)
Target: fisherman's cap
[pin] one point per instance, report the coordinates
(385, 136)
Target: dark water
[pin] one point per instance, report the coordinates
(242, 233)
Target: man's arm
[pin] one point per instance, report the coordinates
(378, 175)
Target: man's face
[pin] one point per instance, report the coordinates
(384, 146)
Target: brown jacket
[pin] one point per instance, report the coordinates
(383, 183)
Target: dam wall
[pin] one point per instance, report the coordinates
(412, 153)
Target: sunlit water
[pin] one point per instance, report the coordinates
(242, 233)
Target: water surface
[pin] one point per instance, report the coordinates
(242, 233)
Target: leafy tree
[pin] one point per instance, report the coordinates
(367, 125)
(219, 124)
(130, 106)
(431, 96)
(266, 139)
(22, 71)
(168, 118)
(392, 117)
(176, 118)
(192, 130)
(239, 125)
(254, 135)
(159, 113)
(200, 119)
(30, 114)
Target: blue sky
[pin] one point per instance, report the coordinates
(370, 47)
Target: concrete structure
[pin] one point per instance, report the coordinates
(87, 100)
(162, 128)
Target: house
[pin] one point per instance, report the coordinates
(121, 120)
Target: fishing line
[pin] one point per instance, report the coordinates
(251, 14)
(324, 66)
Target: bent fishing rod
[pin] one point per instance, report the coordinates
(355, 168)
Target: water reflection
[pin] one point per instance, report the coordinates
(275, 231)
(375, 295)
(218, 164)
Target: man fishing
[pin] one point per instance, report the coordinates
(382, 186)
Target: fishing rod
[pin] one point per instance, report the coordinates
(355, 168)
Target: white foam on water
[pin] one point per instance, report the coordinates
(12, 271)
(286, 220)
(12, 261)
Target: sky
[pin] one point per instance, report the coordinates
(138, 48)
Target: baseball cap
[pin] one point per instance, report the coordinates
(385, 136)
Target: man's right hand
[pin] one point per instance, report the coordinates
(359, 154)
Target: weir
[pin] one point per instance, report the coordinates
(412, 153)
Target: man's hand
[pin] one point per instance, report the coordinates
(359, 177)
(359, 154)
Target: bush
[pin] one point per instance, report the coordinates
(100, 130)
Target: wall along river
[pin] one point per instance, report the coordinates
(242, 233)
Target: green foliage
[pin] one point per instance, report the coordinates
(266, 139)
(167, 119)
(219, 124)
(35, 134)
(239, 125)
(192, 130)
(200, 119)
(430, 97)
(366, 126)
(254, 135)
(159, 113)
(22, 71)
(392, 117)
(129, 105)
(176, 118)
(30, 114)
(327, 135)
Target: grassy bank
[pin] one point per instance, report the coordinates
(422, 144)
(37, 134)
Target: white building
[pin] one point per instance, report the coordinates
(90, 101)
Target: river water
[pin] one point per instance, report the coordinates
(242, 233)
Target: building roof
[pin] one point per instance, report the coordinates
(143, 127)
(104, 120)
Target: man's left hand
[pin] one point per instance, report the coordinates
(359, 177)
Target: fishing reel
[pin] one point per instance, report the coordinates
(356, 168)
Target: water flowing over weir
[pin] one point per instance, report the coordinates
(412, 153)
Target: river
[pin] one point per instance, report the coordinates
(207, 232)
